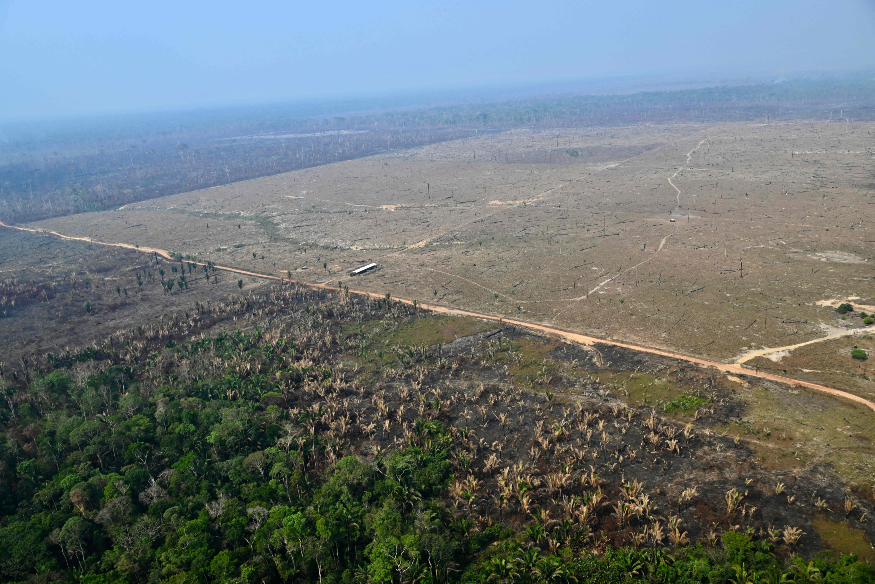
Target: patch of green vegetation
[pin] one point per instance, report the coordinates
(644, 389)
(528, 362)
(844, 308)
(845, 539)
(266, 224)
(807, 428)
(386, 342)
(859, 354)
(435, 329)
(686, 403)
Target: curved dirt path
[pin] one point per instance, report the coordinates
(734, 368)
(475, 219)
(162, 252)
(689, 154)
(497, 205)
(658, 249)
(745, 357)
(472, 282)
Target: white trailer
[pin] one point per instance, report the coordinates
(362, 270)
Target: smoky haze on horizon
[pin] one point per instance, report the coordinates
(60, 59)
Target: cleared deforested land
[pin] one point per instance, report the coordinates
(708, 240)
(173, 375)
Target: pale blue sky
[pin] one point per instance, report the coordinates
(72, 58)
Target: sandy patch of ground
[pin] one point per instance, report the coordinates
(735, 270)
(839, 256)
(777, 353)
(835, 302)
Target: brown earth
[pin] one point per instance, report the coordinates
(51, 280)
(486, 225)
(745, 432)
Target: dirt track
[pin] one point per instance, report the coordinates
(734, 368)
(749, 355)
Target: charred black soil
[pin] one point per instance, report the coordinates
(626, 446)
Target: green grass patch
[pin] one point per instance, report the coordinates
(436, 329)
(845, 539)
(386, 342)
(807, 428)
(644, 389)
(686, 403)
(528, 362)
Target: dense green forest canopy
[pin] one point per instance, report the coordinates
(302, 436)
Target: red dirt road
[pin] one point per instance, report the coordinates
(733, 368)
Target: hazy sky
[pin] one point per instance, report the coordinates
(71, 58)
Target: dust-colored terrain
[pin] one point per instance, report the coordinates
(708, 240)
(738, 367)
(57, 295)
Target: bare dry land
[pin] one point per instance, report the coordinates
(58, 295)
(708, 240)
(792, 457)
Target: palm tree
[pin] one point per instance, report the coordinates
(528, 563)
(551, 570)
(503, 570)
(806, 572)
(631, 562)
(775, 575)
(535, 532)
(743, 576)
(501, 503)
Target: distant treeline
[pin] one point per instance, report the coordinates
(102, 165)
(102, 175)
(802, 99)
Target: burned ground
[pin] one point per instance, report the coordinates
(544, 434)
(57, 295)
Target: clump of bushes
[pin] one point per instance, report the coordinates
(686, 403)
(859, 354)
(844, 308)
